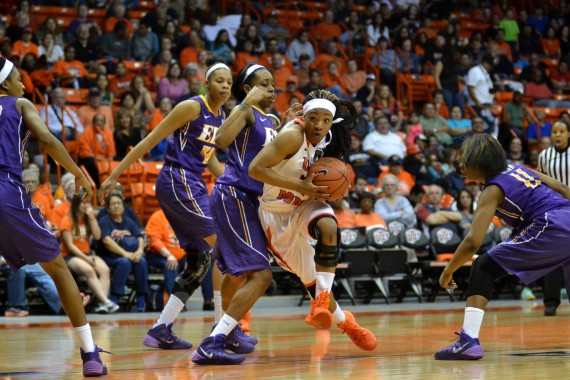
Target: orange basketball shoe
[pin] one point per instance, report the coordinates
(320, 316)
(360, 336)
(245, 322)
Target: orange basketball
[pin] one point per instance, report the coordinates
(332, 173)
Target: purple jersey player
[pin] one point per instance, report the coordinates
(25, 237)
(242, 250)
(535, 205)
(181, 192)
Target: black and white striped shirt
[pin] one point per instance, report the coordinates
(555, 164)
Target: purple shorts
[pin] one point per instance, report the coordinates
(242, 245)
(25, 238)
(184, 199)
(537, 249)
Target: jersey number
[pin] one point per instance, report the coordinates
(207, 152)
(528, 180)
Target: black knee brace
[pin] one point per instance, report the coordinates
(484, 272)
(325, 255)
(197, 265)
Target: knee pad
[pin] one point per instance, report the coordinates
(484, 272)
(325, 255)
(197, 265)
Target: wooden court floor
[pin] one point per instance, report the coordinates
(519, 343)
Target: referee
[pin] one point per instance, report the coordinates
(555, 162)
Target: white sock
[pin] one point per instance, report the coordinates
(226, 325)
(324, 282)
(218, 312)
(85, 338)
(472, 322)
(338, 315)
(173, 307)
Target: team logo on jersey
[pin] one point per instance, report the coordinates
(395, 227)
(348, 236)
(381, 236)
(413, 235)
(444, 235)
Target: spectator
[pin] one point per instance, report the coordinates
(389, 106)
(405, 179)
(550, 44)
(385, 58)
(126, 135)
(414, 163)
(532, 132)
(25, 45)
(303, 71)
(164, 107)
(409, 61)
(59, 117)
(362, 126)
(107, 96)
(117, 14)
(143, 98)
(432, 123)
(283, 98)
(77, 228)
(244, 55)
(160, 15)
(446, 74)
(367, 217)
(480, 85)
(160, 69)
(465, 206)
(128, 105)
(330, 53)
(50, 50)
(516, 155)
(363, 163)
(193, 46)
(272, 29)
(280, 72)
(514, 116)
(360, 187)
(382, 143)
(413, 128)
(116, 44)
(511, 27)
(121, 81)
(539, 21)
(333, 81)
(62, 205)
(272, 47)
(564, 42)
(22, 22)
(436, 50)
(529, 41)
(354, 78)
(173, 86)
(93, 107)
(43, 201)
(50, 26)
(16, 289)
(459, 125)
(393, 206)
(327, 27)
(144, 43)
(123, 251)
(299, 46)
(376, 29)
(81, 20)
(70, 72)
(367, 92)
(534, 64)
(96, 143)
(86, 49)
(252, 34)
(537, 88)
(560, 78)
(433, 215)
(222, 47)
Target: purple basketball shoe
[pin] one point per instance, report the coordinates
(465, 348)
(162, 336)
(211, 352)
(92, 364)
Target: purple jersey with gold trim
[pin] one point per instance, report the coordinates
(191, 146)
(242, 151)
(13, 136)
(526, 197)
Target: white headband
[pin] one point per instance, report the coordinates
(216, 67)
(251, 69)
(320, 104)
(6, 70)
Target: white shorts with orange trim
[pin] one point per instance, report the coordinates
(289, 239)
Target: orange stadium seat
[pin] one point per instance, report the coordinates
(75, 96)
(144, 200)
(151, 170)
(53, 11)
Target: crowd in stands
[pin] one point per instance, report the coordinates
(104, 74)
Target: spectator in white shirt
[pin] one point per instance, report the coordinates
(57, 116)
(480, 84)
(300, 45)
(382, 143)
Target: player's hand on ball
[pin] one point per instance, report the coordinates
(313, 191)
(446, 281)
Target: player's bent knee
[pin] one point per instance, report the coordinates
(197, 265)
(326, 251)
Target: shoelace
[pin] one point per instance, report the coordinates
(102, 350)
(456, 340)
(358, 332)
(320, 301)
(170, 335)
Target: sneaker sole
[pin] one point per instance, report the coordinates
(94, 369)
(200, 360)
(369, 345)
(151, 342)
(321, 319)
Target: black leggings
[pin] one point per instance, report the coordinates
(484, 272)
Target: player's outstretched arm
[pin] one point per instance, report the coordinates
(555, 185)
(181, 114)
(53, 146)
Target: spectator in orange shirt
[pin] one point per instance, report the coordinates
(70, 72)
(427, 29)
(164, 107)
(25, 45)
(121, 81)
(62, 208)
(405, 179)
(550, 44)
(439, 103)
(560, 77)
(503, 47)
(96, 143)
(327, 28)
(280, 72)
(344, 216)
(77, 227)
(303, 71)
(161, 68)
(190, 52)
(354, 78)
(119, 11)
(166, 253)
(282, 100)
(244, 55)
(367, 217)
(31, 179)
(330, 51)
(93, 107)
(333, 81)
(271, 48)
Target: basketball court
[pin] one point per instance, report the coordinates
(519, 343)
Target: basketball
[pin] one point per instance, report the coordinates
(332, 173)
